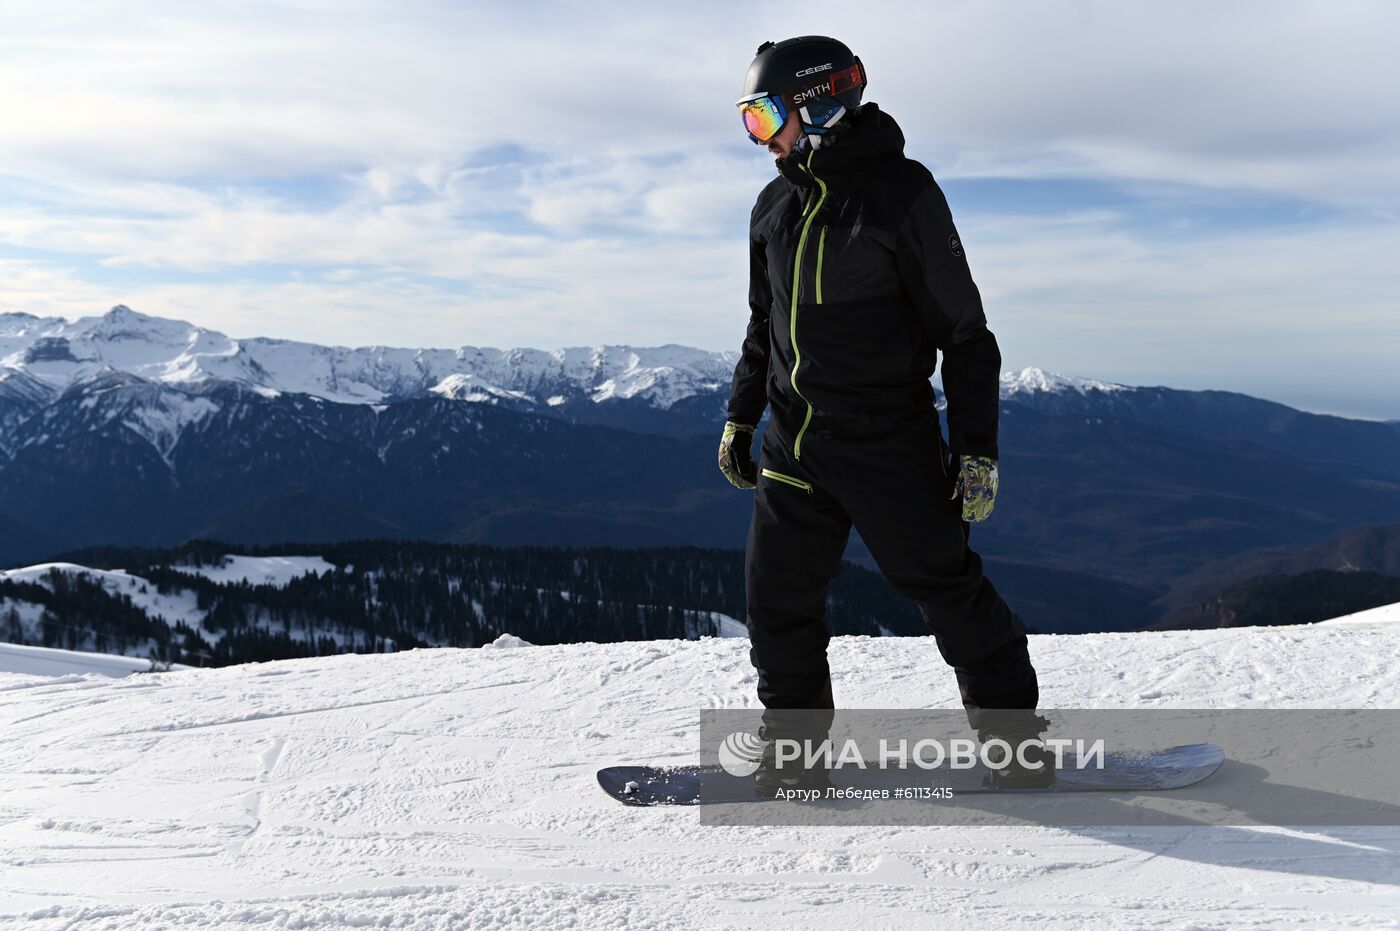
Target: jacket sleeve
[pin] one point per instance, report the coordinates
(933, 272)
(748, 395)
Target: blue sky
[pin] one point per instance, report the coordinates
(1201, 195)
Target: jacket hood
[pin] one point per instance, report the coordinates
(867, 133)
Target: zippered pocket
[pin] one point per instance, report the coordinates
(787, 479)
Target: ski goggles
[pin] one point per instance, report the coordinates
(765, 114)
(763, 117)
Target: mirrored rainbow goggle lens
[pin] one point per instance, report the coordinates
(763, 117)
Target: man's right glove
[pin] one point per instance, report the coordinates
(736, 455)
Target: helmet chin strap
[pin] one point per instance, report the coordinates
(814, 131)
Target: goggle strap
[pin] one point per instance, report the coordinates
(837, 83)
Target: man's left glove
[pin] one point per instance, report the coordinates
(736, 455)
(977, 482)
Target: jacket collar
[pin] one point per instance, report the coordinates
(867, 133)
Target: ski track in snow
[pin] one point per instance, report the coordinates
(442, 789)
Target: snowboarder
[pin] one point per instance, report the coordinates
(857, 279)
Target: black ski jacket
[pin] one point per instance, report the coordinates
(857, 277)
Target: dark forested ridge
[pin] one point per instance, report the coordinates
(1303, 598)
(394, 595)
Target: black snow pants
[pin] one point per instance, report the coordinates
(892, 482)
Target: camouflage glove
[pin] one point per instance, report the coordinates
(736, 455)
(977, 482)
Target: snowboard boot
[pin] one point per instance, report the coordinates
(1013, 775)
(770, 778)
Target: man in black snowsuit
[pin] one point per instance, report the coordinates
(857, 279)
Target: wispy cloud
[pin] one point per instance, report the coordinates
(440, 173)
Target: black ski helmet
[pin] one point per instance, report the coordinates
(816, 75)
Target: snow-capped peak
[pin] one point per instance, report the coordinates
(122, 320)
(466, 386)
(1031, 380)
(109, 395)
(23, 386)
(16, 324)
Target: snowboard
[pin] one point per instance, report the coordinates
(1172, 768)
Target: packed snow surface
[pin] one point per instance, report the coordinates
(455, 789)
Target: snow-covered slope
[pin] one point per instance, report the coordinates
(19, 386)
(44, 661)
(261, 570)
(176, 605)
(1386, 616)
(451, 789)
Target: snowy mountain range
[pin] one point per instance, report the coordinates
(55, 354)
(42, 356)
(127, 429)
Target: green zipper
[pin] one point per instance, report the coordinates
(795, 482)
(796, 286)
